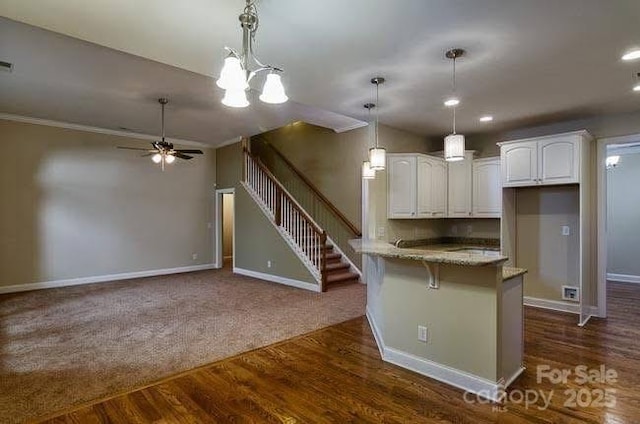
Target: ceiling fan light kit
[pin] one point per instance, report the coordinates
(163, 151)
(454, 143)
(236, 73)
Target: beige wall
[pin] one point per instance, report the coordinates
(227, 225)
(598, 126)
(75, 206)
(333, 161)
(256, 239)
(623, 221)
(551, 258)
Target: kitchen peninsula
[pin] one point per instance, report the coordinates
(453, 314)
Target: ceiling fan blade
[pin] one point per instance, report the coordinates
(134, 148)
(191, 151)
(147, 154)
(182, 156)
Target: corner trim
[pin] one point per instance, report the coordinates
(277, 279)
(555, 305)
(623, 278)
(98, 130)
(454, 377)
(102, 278)
(376, 331)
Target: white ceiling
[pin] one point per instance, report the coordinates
(529, 61)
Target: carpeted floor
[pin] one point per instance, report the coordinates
(62, 347)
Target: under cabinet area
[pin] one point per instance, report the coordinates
(416, 186)
(542, 161)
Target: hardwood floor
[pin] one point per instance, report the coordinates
(336, 375)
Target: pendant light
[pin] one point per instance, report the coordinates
(454, 143)
(367, 172)
(236, 75)
(377, 154)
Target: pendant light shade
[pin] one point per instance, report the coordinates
(232, 76)
(235, 98)
(454, 147)
(273, 90)
(377, 155)
(367, 172)
(454, 143)
(377, 158)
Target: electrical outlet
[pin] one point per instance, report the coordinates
(566, 230)
(423, 334)
(381, 232)
(570, 293)
(469, 229)
(194, 256)
(268, 264)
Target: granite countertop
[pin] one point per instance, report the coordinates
(509, 272)
(428, 253)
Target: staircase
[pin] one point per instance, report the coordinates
(310, 242)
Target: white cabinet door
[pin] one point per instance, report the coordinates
(487, 188)
(401, 186)
(519, 164)
(559, 160)
(460, 187)
(438, 188)
(424, 190)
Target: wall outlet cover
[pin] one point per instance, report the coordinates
(571, 293)
(423, 333)
(268, 264)
(194, 256)
(566, 230)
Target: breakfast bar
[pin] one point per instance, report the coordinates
(450, 313)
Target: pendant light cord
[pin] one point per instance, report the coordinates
(377, 111)
(454, 93)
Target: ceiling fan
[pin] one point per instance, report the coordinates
(163, 151)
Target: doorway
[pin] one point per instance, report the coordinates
(225, 228)
(618, 218)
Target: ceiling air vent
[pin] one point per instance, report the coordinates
(6, 66)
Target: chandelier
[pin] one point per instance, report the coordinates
(236, 73)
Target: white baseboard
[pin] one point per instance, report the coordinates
(556, 305)
(376, 332)
(623, 278)
(102, 278)
(277, 279)
(454, 377)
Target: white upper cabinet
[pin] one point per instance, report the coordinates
(487, 188)
(460, 187)
(519, 164)
(545, 160)
(416, 186)
(401, 185)
(559, 160)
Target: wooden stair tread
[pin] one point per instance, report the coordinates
(342, 276)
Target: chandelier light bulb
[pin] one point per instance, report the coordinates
(235, 98)
(636, 87)
(157, 158)
(232, 76)
(273, 90)
(169, 158)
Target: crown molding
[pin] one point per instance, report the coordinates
(98, 130)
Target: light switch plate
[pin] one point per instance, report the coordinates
(566, 230)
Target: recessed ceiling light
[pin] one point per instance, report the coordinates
(452, 102)
(486, 118)
(632, 55)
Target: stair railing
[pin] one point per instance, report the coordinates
(325, 213)
(306, 237)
